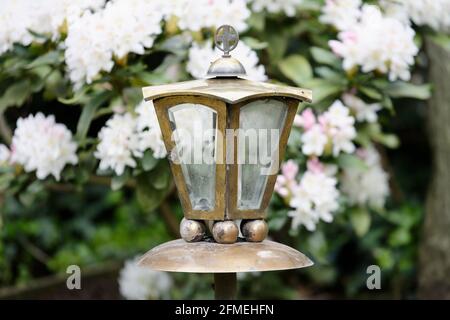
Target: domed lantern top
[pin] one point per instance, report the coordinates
(225, 136)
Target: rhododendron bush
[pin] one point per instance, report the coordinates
(83, 171)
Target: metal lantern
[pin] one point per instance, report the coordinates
(225, 136)
(235, 183)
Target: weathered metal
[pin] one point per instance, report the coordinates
(211, 257)
(225, 231)
(192, 230)
(254, 230)
(228, 90)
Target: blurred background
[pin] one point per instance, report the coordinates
(84, 179)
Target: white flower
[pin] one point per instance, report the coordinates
(201, 55)
(366, 186)
(314, 141)
(126, 137)
(314, 199)
(149, 130)
(342, 14)
(289, 7)
(140, 283)
(122, 27)
(379, 43)
(363, 111)
(339, 126)
(432, 13)
(119, 143)
(199, 14)
(42, 145)
(4, 154)
(47, 17)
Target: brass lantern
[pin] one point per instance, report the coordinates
(225, 136)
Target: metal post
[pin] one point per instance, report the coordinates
(225, 286)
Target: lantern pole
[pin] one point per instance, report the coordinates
(225, 286)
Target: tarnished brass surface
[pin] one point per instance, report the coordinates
(161, 107)
(192, 230)
(225, 231)
(233, 211)
(226, 67)
(230, 90)
(210, 257)
(254, 230)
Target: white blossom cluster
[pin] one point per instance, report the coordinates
(374, 42)
(342, 14)
(201, 55)
(332, 132)
(20, 18)
(199, 14)
(289, 7)
(42, 145)
(364, 112)
(4, 154)
(126, 137)
(313, 198)
(139, 283)
(97, 38)
(366, 186)
(432, 13)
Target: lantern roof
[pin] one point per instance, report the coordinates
(230, 90)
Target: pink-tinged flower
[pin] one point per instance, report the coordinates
(314, 165)
(286, 182)
(289, 169)
(306, 119)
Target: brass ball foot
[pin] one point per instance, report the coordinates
(192, 230)
(254, 230)
(225, 232)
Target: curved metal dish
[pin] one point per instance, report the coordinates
(211, 257)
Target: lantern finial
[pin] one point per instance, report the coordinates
(226, 39)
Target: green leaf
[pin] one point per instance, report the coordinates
(296, 68)
(277, 223)
(324, 56)
(15, 95)
(277, 45)
(371, 93)
(118, 182)
(148, 197)
(328, 73)
(50, 58)
(399, 237)
(347, 161)
(254, 43)
(88, 112)
(360, 220)
(257, 21)
(148, 161)
(160, 178)
(323, 88)
(408, 90)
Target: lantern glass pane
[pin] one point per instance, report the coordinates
(194, 133)
(261, 123)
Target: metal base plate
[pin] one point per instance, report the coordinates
(211, 257)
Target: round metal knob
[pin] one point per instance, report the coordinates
(254, 230)
(225, 231)
(192, 230)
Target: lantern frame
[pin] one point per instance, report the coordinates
(226, 96)
(233, 211)
(162, 107)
